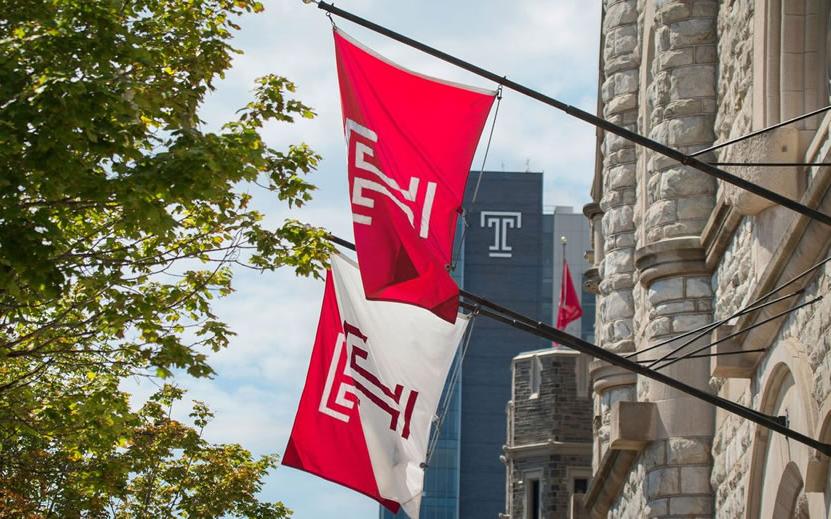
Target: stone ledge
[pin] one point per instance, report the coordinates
(731, 361)
(670, 257)
(608, 481)
(633, 425)
(778, 146)
(591, 210)
(546, 448)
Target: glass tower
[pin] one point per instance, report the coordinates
(512, 255)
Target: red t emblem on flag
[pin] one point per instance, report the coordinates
(410, 141)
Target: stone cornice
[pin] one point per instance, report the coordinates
(591, 210)
(546, 448)
(605, 376)
(670, 257)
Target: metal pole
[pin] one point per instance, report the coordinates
(759, 132)
(551, 333)
(564, 241)
(629, 135)
(521, 322)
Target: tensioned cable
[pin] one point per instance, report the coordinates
(704, 330)
(771, 164)
(448, 395)
(722, 354)
(592, 119)
(524, 323)
(455, 257)
(750, 307)
(759, 132)
(776, 424)
(730, 336)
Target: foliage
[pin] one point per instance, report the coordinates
(159, 468)
(120, 218)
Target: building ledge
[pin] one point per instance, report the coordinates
(730, 360)
(633, 426)
(605, 376)
(591, 210)
(546, 448)
(608, 481)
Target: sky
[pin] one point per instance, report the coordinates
(551, 46)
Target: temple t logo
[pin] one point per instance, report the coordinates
(351, 377)
(415, 204)
(501, 221)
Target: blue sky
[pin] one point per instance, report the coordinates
(551, 46)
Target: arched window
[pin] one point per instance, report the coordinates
(778, 466)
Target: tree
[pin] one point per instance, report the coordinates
(120, 218)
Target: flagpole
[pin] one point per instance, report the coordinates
(564, 241)
(687, 160)
(524, 323)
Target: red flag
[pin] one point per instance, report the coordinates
(310, 447)
(374, 383)
(569, 308)
(410, 141)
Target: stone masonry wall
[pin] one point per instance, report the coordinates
(733, 278)
(619, 97)
(736, 273)
(556, 487)
(698, 90)
(671, 477)
(557, 413)
(809, 326)
(683, 96)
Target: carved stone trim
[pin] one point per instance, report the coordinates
(592, 209)
(730, 363)
(671, 257)
(718, 233)
(605, 376)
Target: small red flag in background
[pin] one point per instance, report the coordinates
(410, 142)
(569, 308)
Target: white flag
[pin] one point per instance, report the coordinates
(375, 379)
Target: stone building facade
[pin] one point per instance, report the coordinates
(549, 428)
(675, 250)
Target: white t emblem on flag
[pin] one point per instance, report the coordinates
(375, 378)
